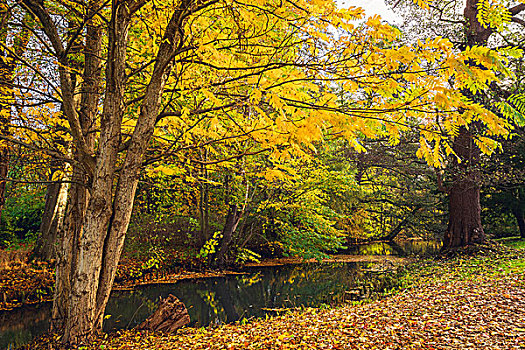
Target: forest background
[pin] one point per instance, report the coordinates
(298, 130)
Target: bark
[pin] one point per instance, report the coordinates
(82, 311)
(4, 157)
(204, 233)
(129, 177)
(52, 220)
(69, 234)
(520, 218)
(94, 234)
(399, 227)
(232, 220)
(518, 210)
(464, 227)
(169, 316)
(476, 33)
(68, 238)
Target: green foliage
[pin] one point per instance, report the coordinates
(210, 246)
(22, 216)
(244, 255)
(496, 218)
(156, 260)
(513, 109)
(299, 215)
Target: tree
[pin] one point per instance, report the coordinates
(464, 226)
(266, 71)
(470, 29)
(397, 192)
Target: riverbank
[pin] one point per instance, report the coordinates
(32, 283)
(461, 303)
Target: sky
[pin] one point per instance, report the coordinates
(373, 7)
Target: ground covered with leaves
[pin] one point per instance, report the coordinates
(460, 303)
(25, 284)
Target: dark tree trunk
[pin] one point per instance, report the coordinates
(521, 225)
(520, 219)
(232, 220)
(4, 161)
(464, 226)
(399, 227)
(204, 233)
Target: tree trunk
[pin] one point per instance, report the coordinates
(464, 226)
(96, 224)
(232, 220)
(70, 232)
(4, 160)
(68, 238)
(52, 220)
(204, 233)
(109, 210)
(521, 224)
(519, 213)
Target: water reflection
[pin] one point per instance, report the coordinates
(228, 299)
(219, 300)
(20, 326)
(401, 248)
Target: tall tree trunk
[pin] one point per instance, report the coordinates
(81, 311)
(518, 210)
(464, 226)
(91, 251)
(204, 233)
(69, 233)
(68, 238)
(108, 213)
(4, 150)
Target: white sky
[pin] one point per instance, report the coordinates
(373, 7)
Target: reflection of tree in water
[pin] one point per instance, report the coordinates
(401, 248)
(224, 293)
(212, 311)
(20, 326)
(227, 299)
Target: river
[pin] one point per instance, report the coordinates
(254, 293)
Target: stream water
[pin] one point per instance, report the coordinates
(231, 298)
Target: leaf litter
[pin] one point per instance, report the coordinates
(472, 303)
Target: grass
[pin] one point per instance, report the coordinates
(513, 242)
